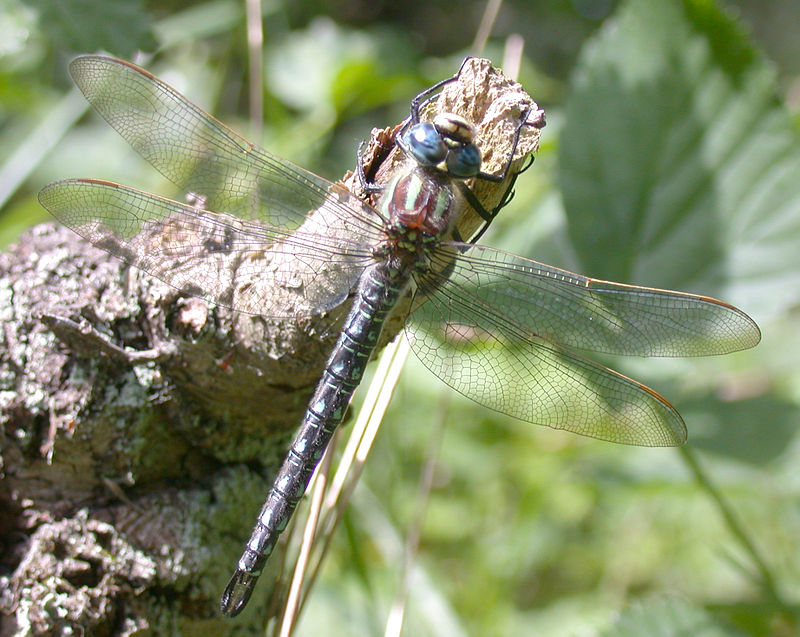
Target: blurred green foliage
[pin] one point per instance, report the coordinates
(670, 159)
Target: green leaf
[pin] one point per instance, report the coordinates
(121, 27)
(735, 429)
(326, 66)
(302, 71)
(666, 618)
(679, 165)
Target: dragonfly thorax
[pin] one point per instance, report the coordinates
(420, 201)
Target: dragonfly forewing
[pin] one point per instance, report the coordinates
(201, 155)
(580, 312)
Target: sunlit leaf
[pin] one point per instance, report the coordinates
(677, 153)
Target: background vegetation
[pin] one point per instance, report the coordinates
(670, 159)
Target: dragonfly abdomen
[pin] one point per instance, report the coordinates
(379, 289)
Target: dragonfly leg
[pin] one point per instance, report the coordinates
(484, 214)
(529, 117)
(423, 98)
(369, 186)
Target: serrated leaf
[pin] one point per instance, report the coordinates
(121, 27)
(679, 166)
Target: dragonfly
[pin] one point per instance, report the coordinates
(499, 328)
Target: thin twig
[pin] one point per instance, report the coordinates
(486, 26)
(293, 602)
(359, 444)
(255, 43)
(512, 55)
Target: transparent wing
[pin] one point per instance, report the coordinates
(200, 155)
(508, 369)
(495, 327)
(242, 264)
(591, 314)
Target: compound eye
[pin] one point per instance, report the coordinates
(464, 162)
(425, 144)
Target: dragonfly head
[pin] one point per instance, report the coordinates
(447, 143)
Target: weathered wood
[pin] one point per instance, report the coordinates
(129, 410)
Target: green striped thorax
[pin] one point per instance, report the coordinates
(422, 199)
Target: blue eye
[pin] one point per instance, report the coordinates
(425, 144)
(464, 162)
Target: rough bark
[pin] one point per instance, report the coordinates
(140, 426)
